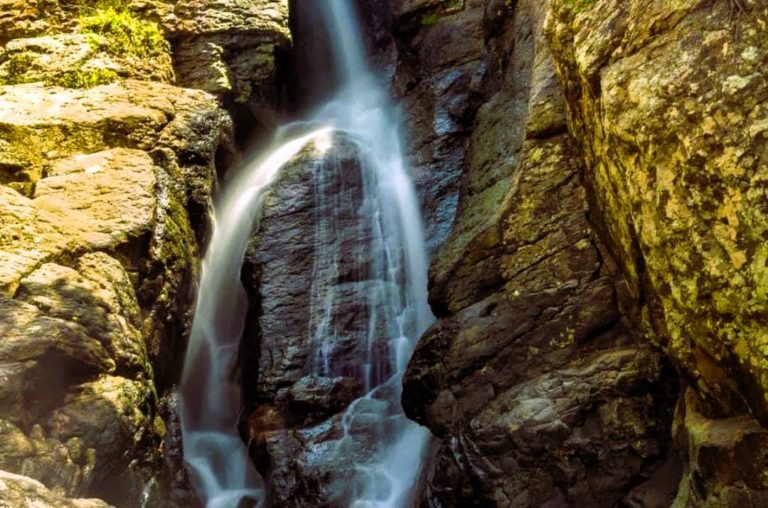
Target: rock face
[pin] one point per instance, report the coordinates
(669, 104)
(308, 271)
(611, 205)
(532, 377)
(97, 262)
(593, 175)
(104, 195)
(228, 49)
(439, 77)
(18, 490)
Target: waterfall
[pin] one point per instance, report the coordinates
(216, 456)
(363, 109)
(396, 298)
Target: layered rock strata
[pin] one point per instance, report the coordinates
(98, 257)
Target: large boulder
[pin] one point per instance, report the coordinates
(16, 490)
(317, 333)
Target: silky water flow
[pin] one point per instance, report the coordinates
(396, 296)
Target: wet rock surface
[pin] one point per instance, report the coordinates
(636, 153)
(439, 79)
(307, 271)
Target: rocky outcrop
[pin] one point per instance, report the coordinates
(668, 104)
(228, 49)
(107, 177)
(439, 77)
(18, 490)
(105, 191)
(646, 150)
(309, 272)
(532, 376)
(97, 262)
(73, 59)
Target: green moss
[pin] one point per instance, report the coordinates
(429, 19)
(579, 5)
(16, 67)
(125, 34)
(82, 78)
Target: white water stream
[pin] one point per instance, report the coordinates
(215, 454)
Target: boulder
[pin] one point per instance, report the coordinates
(16, 490)
(228, 48)
(316, 335)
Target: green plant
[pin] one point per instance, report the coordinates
(99, 5)
(579, 5)
(429, 19)
(16, 67)
(83, 78)
(125, 34)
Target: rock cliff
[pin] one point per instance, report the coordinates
(107, 169)
(593, 176)
(538, 387)
(668, 104)
(609, 232)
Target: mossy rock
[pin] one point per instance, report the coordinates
(77, 61)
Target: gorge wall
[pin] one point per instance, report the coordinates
(593, 176)
(107, 167)
(608, 239)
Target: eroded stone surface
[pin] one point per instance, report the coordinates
(668, 103)
(16, 490)
(439, 76)
(98, 255)
(523, 289)
(53, 58)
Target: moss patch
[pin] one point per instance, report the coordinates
(125, 34)
(16, 68)
(84, 78)
(579, 5)
(429, 19)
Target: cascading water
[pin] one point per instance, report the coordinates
(210, 398)
(395, 297)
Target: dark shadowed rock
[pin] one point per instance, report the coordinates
(439, 79)
(317, 331)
